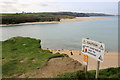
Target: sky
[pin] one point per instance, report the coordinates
(87, 6)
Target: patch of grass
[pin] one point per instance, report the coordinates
(103, 73)
(23, 48)
(72, 75)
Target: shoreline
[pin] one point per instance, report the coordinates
(77, 19)
(110, 58)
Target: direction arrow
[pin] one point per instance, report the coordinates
(100, 57)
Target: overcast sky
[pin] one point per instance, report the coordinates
(102, 6)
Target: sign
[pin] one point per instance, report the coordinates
(85, 61)
(93, 49)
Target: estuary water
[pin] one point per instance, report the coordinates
(69, 35)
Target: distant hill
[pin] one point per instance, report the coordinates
(17, 18)
(98, 14)
(75, 14)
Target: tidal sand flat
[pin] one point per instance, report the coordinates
(80, 19)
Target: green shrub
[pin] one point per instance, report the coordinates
(113, 73)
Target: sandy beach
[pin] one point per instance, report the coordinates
(61, 21)
(110, 58)
(30, 23)
(79, 19)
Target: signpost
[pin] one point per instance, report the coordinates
(85, 62)
(94, 50)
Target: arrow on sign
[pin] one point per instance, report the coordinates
(101, 47)
(100, 57)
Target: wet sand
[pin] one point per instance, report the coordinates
(61, 21)
(110, 58)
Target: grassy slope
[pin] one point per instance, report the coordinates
(26, 49)
(44, 14)
(104, 73)
(10, 14)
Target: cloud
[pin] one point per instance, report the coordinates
(27, 5)
(43, 4)
(7, 6)
(51, 5)
(19, 6)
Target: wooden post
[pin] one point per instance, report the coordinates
(85, 69)
(85, 64)
(97, 69)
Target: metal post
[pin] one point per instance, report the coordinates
(86, 68)
(97, 69)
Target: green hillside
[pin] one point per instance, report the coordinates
(23, 55)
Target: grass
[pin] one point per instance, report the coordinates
(12, 14)
(103, 73)
(43, 14)
(23, 55)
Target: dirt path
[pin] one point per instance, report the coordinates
(57, 66)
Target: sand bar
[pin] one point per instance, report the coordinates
(80, 19)
(61, 21)
(110, 58)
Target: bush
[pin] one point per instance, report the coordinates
(113, 73)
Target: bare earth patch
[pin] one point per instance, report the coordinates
(57, 66)
(21, 60)
(32, 59)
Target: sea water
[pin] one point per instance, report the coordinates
(69, 35)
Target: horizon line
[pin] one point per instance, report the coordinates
(57, 11)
